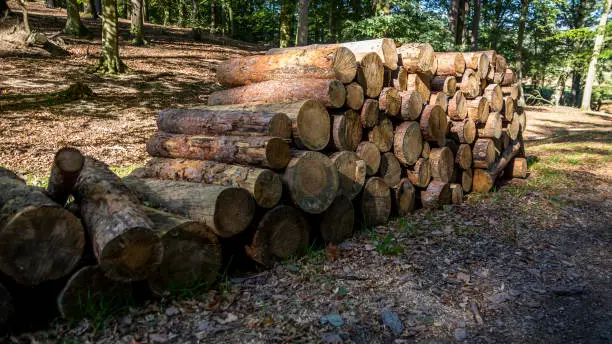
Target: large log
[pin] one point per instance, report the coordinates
(508, 110)
(463, 157)
(319, 62)
(67, 165)
(390, 101)
(408, 142)
(264, 185)
(437, 194)
(311, 180)
(354, 96)
(330, 93)
(470, 84)
(450, 64)
(265, 151)
(337, 223)
(483, 153)
(477, 61)
(370, 74)
(124, 242)
(226, 210)
(492, 128)
(383, 47)
(375, 205)
(192, 254)
(494, 96)
(351, 172)
(446, 84)
(411, 105)
(419, 83)
(485, 179)
(433, 125)
(416, 57)
(39, 240)
(439, 98)
(420, 174)
(457, 109)
(346, 131)
(464, 131)
(382, 134)
(478, 109)
(369, 113)
(390, 170)
(403, 197)
(442, 164)
(517, 168)
(368, 152)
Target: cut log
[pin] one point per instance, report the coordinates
(478, 109)
(192, 254)
(439, 98)
(312, 181)
(509, 77)
(433, 125)
(226, 210)
(517, 168)
(419, 83)
(67, 165)
(508, 110)
(283, 232)
(450, 64)
(264, 185)
(411, 105)
(500, 64)
(420, 175)
(456, 193)
(446, 84)
(470, 84)
(513, 128)
(464, 131)
(452, 145)
(370, 74)
(457, 109)
(403, 197)
(382, 135)
(338, 221)
(426, 150)
(485, 179)
(512, 91)
(492, 128)
(492, 55)
(346, 131)
(465, 178)
(272, 152)
(383, 47)
(396, 78)
(89, 292)
(354, 96)
(390, 101)
(408, 143)
(351, 172)
(7, 309)
(124, 242)
(437, 194)
(478, 61)
(502, 142)
(219, 120)
(375, 205)
(368, 152)
(40, 240)
(330, 93)
(369, 113)
(522, 118)
(483, 153)
(494, 96)
(416, 57)
(390, 170)
(463, 158)
(442, 164)
(322, 62)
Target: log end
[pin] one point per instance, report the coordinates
(281, 126)
(369, 153)
(345, 65)
(69, 160)
(375, 202)
(278, 153)
(312, 126)
(234, 211)
(338, 221)
(268, 189)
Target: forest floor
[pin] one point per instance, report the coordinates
(530, 263)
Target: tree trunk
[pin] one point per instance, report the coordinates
(94, 9)
(351, 172)
(137, 23)
(194, 15)
(517, 168)
(509, 108)
(396, 78)
(485, 179)
(476, 26)
(286, 17)
(213, 16)
(433, 125)
(368, 152)
(470, 84)
(512, 91)
(337, 223)
(457, 109)
(436, 195)
(411, 105)
(375, 202)
(382, 135)
(40, 240)
(416, 57)
(408, 142)
(354, 96)
(460, 22)
(109, 60)
(442, 164)
(483, 153)
(450, 64)
(456, 193)
(226, 210)
(446, 84)
(478, 61)
(465, 178)
(420, 174)
(67, 165)
(346, 131)
(599, 38)
(463, 157)
(369, 113)
(74, 26)
(390, 170)
(439, 98)
(559, 89)
(302, 29)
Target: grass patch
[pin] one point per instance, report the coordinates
(388, 246)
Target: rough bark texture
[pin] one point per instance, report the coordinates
(411, 105)
(65, 170)
(390, 101)
(483, 153)
(137, 22)
(416, 57)
(368, 152)
(437, 194)
(110, 62)
(451, 64)
(464, 131)
(485, 179)
(478, 109)
(369, 113)
(74, 26)
(492, 128)
(446, 84)
(302, 22)
(382, 135)
(354, 96)
(346, 131)
(457, 109)
(390, 170)
(351, 172)
(442, 164)
(419, 83)
(375, 205)
(599, 40)
(370, 74)
(408, 142)
(433, 125)
(420, 175)
(337, 223)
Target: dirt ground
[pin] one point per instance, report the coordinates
(530, 263)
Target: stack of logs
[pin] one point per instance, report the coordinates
(310, 142)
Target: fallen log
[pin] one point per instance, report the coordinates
(416, 57)
(433, 125)
(411, 105)
(408, 142)
(465, 178)
(354, 96)
(390, 101)
(485, 179)
(383, 47)
(426, 150)
(351, 172)
(396, 78)
(420, 175)
(509, 77)
(382, 134)
(346, 131)
(369, 113)
(403, 197)
(513, 128)
(492, 128)
(67, 165)
(337, 223)
(483, 153)
(446, 84)
(370, 74)
(442, 164)
(390, 170)
(511, 91)
(375, 203)
(437, 194)
(450, 64)
(508, 110)
(368, 152)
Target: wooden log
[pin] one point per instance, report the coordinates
(502, 142)
(408, 143)
(465, 178)
(517, 168)
(416, 57)
(369, 113)
(494, 96)
(483, 153)
(446, 84)
(426, 150)
(354, 96)
(382, 135)
(338, 221)
(90, 292)
(220, 120)
(478, 61)
(390, 170)
(320, 62)
(310, 120)
(192, 253)
(511, 91)
(403, 197)
(450, 64)
(485, 179)
(390, 101)
(463, 157)
(67, 165)
(470, 84)
(492, 128)
(368, 152)
(464, 131)
(433, 125)
(419, 83)
(452, 145)
(40, 240)
(312, 181)
(437, 194)
(370, 74)
(500, 64)
(457, 109)
(124, 242)
(513, 128)
(375, 203)
(265, 151)
(421, 173)
(346, 131)
(226, 210)
(283, 232)
(522, 118)
(456, 193)
(330, 93)
(383, 47)
(439, 98)
(492, 55)
(509, 77)
(264, 185)
(411, 105)
(7, 309)
(351, 172)
(508, 110)
(442, 164)
(478, 109)
(396, 78)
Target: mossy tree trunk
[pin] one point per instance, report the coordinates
(110, 62)
(137, 23)
(74, 26)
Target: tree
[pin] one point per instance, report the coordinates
(4, 9)
(137, 23)
(74, 26)
(110, 62)
(302, 29)
(213, 16)
(476, 25)
(519, 49)
(601, 31)
(286, 19)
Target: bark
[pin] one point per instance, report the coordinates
(137, 23)
(351, 173)
(442, 164)
(74, 26)
(337, 223)
(375, 203)
(66, 168)
(408, 142)
(599, 39)
(411, 105)
(459, 23)
(346, 131)
(485, 179)
(476, 26)
(369, 113)
(390, 170)
(420, 174)
(354, 96)
(519, 48)
(302, 29)
(368, 152)
(110, 61)
(416, 57)
(436, 195)
(433, 125)
(94, 9)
